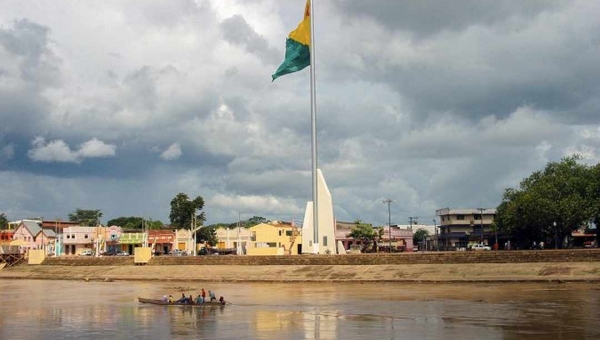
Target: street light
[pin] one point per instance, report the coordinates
(389, 202)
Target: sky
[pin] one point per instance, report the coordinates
(121, 105)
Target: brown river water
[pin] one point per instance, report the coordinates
(40, 309)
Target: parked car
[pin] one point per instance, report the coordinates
(476, 247)
(178, 252)
(86, 252)
(122, 253)
(111, 252)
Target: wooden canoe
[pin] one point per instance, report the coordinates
(163, 303)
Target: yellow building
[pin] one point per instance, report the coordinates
(275, 238)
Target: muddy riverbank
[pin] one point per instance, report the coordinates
(472, 272)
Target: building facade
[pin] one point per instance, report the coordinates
(275, 238)
(460, 228)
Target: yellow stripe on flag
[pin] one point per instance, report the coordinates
(302, 33)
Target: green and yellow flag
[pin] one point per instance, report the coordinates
(297, 47)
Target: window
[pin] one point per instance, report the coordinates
(477, 216)
(460, 217)
(280, 233)
(272, 245)
(86, 235)
(324, 241)
(288, 233)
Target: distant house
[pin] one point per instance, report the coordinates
(229, 238)
(77, 239)
(131, 239)
(399, 239)
(34, 237)
(161, 240)
(275, 238)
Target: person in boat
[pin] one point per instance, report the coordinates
(171, 299)
(213, 298)
(221, 300)
(203, 295)
(199, 299)
(165, 298)
(183, 298)
(190, 300)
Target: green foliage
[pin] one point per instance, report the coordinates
(132, 222)
(249, 223)
(127, 222)
(3, 221)
(420, 235)
(208, 235)
(367, 235)
(86, 217)
(563, 193)
(182, 209)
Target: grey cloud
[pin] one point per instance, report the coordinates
(238, 32)
(426, 17)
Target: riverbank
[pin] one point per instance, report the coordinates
(422, 273)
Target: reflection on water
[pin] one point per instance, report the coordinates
(109, 310)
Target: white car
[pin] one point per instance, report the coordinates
(480, 247)
(87, 252)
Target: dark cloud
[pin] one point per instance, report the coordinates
(428, 17)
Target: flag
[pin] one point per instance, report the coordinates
(297, 47)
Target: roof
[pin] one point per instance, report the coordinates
(49, 232)
(468, 211)
(32, 227)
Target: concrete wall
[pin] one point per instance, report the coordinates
(580, 255)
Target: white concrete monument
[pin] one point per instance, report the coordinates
(326, 222)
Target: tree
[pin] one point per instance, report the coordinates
(255, 220)
(3, 221)
(367, 235)
(182, 209)
(86, 217)
(127, 222)
(132, 222)
(559, 194)
(208, 235)
(419, 236)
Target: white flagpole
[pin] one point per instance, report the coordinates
(313, 113)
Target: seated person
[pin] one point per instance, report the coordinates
(190, 300)
(165, 299)
(221, 300)
(199, 299)
(171, 299)
(183, 298)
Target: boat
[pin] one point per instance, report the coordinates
(166, 303)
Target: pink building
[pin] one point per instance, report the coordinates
(34, 237)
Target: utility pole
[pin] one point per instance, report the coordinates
(481, 225)
(389, 202)
(436, 235)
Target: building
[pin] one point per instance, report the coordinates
(130, 239)
(460, 228)
(161, 241)
(399, 239)
(32, 236)
(275, 238)
(77, 239)
(233, 238)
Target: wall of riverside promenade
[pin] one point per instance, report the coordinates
(579, 255)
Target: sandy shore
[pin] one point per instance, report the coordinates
(481, 272)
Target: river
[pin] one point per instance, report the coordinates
(37, 309)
